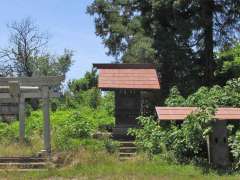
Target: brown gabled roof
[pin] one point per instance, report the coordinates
(180, 113)
(127, 76)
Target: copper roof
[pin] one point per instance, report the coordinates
(180, 113)
(127, 76)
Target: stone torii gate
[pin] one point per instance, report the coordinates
(16, 90)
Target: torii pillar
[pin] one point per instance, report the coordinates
(18, 89)
(47, 131)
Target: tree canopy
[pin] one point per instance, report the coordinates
(180, 37)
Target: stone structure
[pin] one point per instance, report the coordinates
(16, 90)
(218, 151)
(127, 81)
(217, 145)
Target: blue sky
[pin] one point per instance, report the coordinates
(68, 25)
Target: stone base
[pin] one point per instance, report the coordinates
(121, 132)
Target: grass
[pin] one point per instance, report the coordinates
(14, 149)
(85, 164)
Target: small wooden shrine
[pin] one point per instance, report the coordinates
(127, 81)
(218, 151)
(14, 92)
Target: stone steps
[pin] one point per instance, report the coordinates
(35, 165)
(127, 150)
(23, 163)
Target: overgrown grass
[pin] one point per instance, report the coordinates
(87, 164)
(30, 148)
(69, 129)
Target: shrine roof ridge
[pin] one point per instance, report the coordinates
(124, 66)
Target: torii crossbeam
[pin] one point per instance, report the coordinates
(16, 90)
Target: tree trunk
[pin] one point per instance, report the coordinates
(207, 55)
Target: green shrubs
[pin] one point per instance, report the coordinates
(68, 132)
(234, 143)
(8, 132)
(111, 146)
(149, 137)
(79, 127)
(69, 127)
(187, 140)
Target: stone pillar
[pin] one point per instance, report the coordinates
(15, 93)
(218, 151)
(47, 128)
(21, 119)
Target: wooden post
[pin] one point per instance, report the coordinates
(47, 133)
(21, 119)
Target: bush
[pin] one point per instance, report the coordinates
(78, 127)
(111, 146)
(149, 137)
(9, 132)
(187, 140)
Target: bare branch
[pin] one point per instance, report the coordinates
(26, 43)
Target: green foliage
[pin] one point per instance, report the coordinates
(107, 103)
(111, 146)
(78, 127)
(140, 50)
(175, 98)
(234, 142)
(196, 127)
(48, 65)
(178, 37)
(83, 92)
(87, 82)
(227, 95)
(8, 132)
(149, 137)
(187, 140)
(229, 63)
(69, 127)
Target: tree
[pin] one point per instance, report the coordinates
(27, 55)
(26, 44)
(89, 81)
(48, 65)
(228, 66)
(178, 36)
